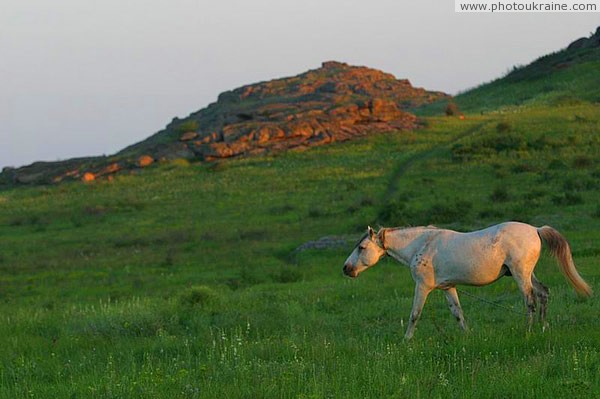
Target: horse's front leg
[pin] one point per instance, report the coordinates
(421, 293)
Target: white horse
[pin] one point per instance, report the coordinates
(442, 259)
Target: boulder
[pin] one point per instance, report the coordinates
(26, 178)
(333, 65)
(578, 44)
(384, 110)
(172, 151)
(326, 242)
(268, 133)
(187, 136)
(222, 150)
(112, 168)
(586, 42)
(144, 160)
(88, 177)
(8, 175)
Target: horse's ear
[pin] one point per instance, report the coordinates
(371, 232)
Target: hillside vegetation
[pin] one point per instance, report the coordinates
(566, 77)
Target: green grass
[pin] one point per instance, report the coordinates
(569, 86)
(563, 78)
(182, 281)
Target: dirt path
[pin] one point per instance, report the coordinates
(405, 165)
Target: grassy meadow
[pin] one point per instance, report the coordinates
(183, 282)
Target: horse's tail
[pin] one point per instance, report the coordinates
(560, 249)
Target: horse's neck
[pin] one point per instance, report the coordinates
(404, 243)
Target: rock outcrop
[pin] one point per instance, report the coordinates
(333, 103)
(586, 42)
(336, 102)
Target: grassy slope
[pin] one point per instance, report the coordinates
(567, 77)
(179, 282)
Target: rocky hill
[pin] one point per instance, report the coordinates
(335, 102)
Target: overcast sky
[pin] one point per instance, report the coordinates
(83, 77)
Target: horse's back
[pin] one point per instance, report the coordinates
(510, 238)
(504, 232)
(478, 257)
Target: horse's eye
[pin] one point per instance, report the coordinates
(362, 246)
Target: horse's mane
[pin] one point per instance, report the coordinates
(431, 227)
(361, 239)
(365, 235)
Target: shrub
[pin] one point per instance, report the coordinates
(128, 319)
(505, 142)
(169, 260)
(282, 209)
(582, 162)
(187, 126)
(565, 100)
(500, 173)
(487, 146)
(452, 109)
(534, 194)
(556, 164)
(395, 213)
(17, 221)
(524, 167)
(179, 163)
(541, 143)
(316, 213)
(218, 166)
(491, 213)
(500, 194)
(462, 152)
(503, 127)
(255, 234)
(95, 210)
(399, 214)
(521, 212)
(288, 274)
(366, 201)
(567, 199)
(573, 185)
(247, 277)
(448, 212)
(200, 295)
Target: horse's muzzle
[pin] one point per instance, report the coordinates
(349, 271)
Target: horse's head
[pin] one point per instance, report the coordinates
(367, 252)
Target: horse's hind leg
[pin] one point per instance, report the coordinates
(542, 293)
(454, 303)
(526, 287)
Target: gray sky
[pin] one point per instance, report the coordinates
(83, 77)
